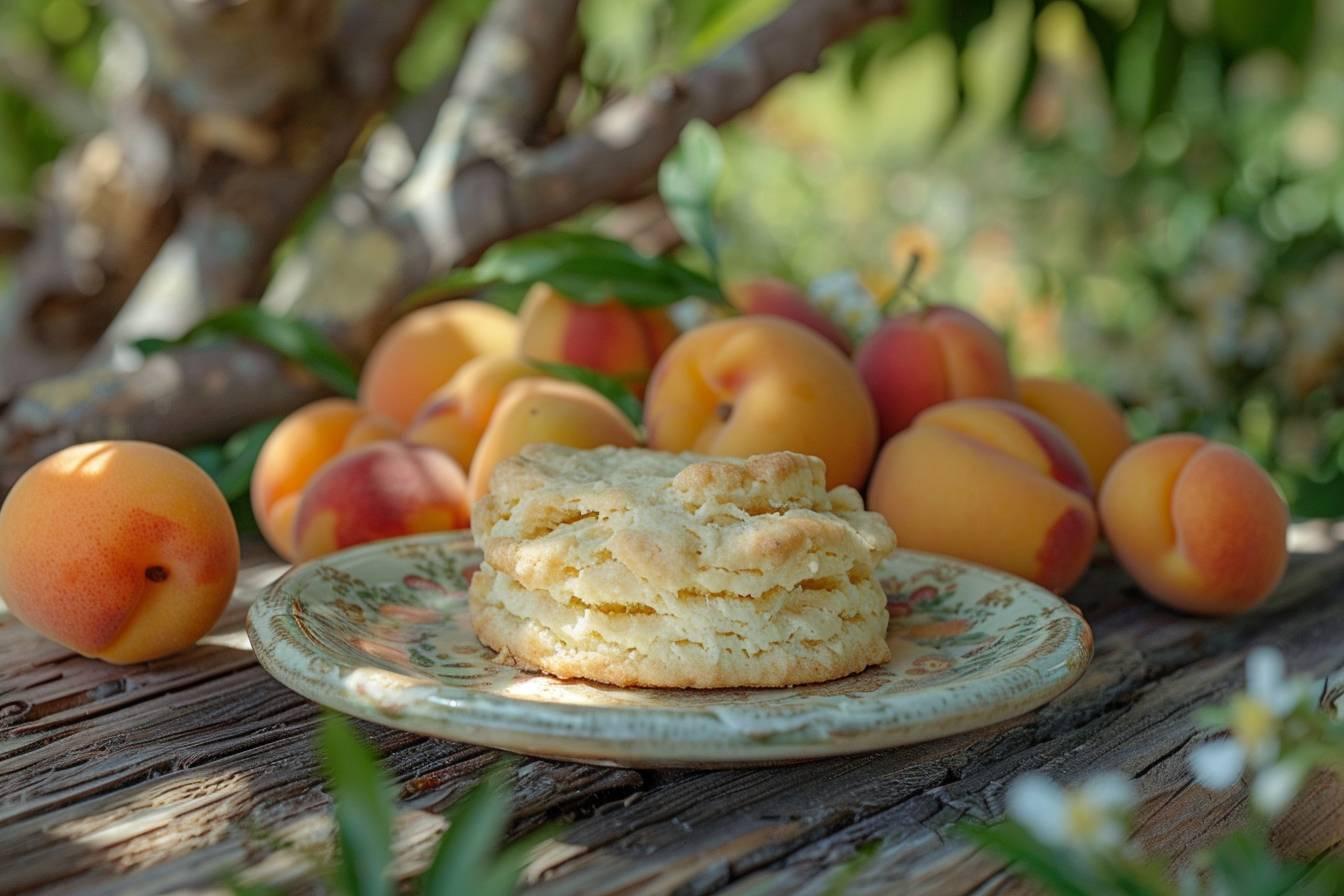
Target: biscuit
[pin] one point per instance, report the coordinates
(636, 567)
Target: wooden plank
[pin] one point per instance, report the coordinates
(170, 774)
(1131, 711)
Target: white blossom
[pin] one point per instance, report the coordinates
(1256, 719)
(1092, 817)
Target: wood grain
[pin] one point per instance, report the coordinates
(165, 777)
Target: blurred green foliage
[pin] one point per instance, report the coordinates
(1145, 194)
(65, 33)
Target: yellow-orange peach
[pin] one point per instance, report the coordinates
(368, 429)
(454, 417)
(940, 353)
(541, 410)
(1091, 420)
(294, 451)
(379, 491)
(124, 551)
(992, 482)
(1197, 524)
(759, 383)
(425, 348)
(770, 295)
(610, 338)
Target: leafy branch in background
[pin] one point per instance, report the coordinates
(230, 465)
(1075, 841)
(470, 857)
(291, 338)
(687, 182)
(587, 268)
(593, 269)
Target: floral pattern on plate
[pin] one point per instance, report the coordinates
(382, 632)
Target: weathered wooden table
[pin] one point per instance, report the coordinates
(167, 776)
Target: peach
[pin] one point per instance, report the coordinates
(770, 295)
(992, 482)
(541, 410)
(761, 383)
(379, 491)
(1197, 524)
(125, 551)
(610, 338)
(423, 350)
(294, 451)
(914, 361)
(455, 416)
(368, 429)
(1092, 421)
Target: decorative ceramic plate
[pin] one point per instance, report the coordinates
(381, 632)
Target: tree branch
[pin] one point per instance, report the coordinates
(265, 154)
(625, 143)
(503, 88)
(475, 184)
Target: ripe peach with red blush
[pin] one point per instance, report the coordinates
(992, 482)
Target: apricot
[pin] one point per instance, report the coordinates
(1093, 423)
(770, 295)
(379, 491)
(423, 350)
(610, 338)
(940, 353)
(455, 416)
(991, 482)
(1197, 524)
(542, 410)
(760, 383)
(125, 551)
(297, 448)
(368, 429)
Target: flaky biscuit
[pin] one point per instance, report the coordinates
(654, 650)
(673, 521)
(678, 570)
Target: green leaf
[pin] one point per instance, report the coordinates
(1244, 26)
(687, 181)
(294, 339)
(608, 387)
(209, 458)
(363, 797)
(239, 457)
(587, 268)
(1147, 61)
(729, 21)
(466, 853)
(237, 888)
(1243, 863)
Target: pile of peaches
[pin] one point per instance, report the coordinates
(925, 416)
(127, 551)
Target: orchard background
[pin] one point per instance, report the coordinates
(1141, 194)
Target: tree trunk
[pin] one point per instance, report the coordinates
(476, 182)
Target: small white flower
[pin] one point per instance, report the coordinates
(1092, 817)
(1267, 684)
(1255, 721)
(843, 297)
(1218, 764)
(1275, 787)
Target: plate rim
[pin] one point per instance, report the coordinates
(537, 728)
